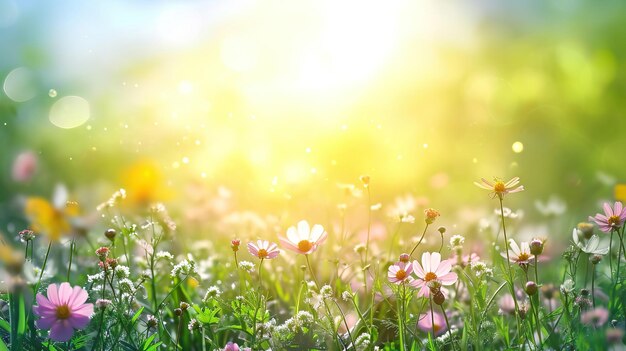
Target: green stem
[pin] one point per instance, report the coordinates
(445, 315)
(401, 293)
(43, 267)
(508, 262)
(420, 241)
(69, 267)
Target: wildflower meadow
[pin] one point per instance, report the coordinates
(312, 175)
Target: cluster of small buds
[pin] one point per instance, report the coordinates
(430, 215)
(95, 278)
(102, 304)
(184, 267)
(110, 234)
(405, 258)
(109, 263)
(113, 200)
(305, 318)
(523, 311)
(126, 285)
(184, 306)
(151, 321)
(193, 325)
(347, 296)
(536, 246)
(26, 235)
(102, 253)
(234, 244)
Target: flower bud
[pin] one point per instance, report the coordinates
(102, 304)
(151, 322)
(110, 234)
(26, 235)
(439, 298)
(586, 229)
(102, 253)
(184, 306)
(405, 257)
(234, 244)
(431, 215)
(595, 259)
(536, 247)
(584, 292)
(178, 312)
(441, 230)
(531, 288)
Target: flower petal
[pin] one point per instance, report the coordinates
(426, 261)
(435, 259)
(61, 331)
(53, 294)
(304, 230)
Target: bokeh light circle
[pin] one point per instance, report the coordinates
(517, 147)
(69, 112)
(19, 85)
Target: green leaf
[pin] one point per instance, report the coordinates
(136, 316)
(3, 346)
(5, 325)
(21, 326)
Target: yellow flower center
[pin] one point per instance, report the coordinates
(63, 312)
(430, 276)
(523, 257)
(499, 187)
(613, 221)
(262, 253)
(305, 245)
(401, 274)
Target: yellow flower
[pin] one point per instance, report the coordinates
(620, 192)
(144, 183)
(51, 220)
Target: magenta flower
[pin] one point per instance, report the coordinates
(400, 273)
(425, 323)
(612, 219)
(263, 249)
(596, 317)
(432, 269)
(231, 346)
(63, 311)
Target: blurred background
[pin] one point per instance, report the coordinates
(272, 104)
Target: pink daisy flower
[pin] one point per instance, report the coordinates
(612, 219)
(432, 269)
(303, 239)
(264, 249)
(63, 311)
(500, 188)
(425, 323)
(231, 346)
(400, 272)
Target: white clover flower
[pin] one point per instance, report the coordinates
(326, 291)
(184, 267)
(457, 241)
(304, 318)
(247, 266)
(126, 285)
(95, 278)
(211, 293)
(122, 271)
(165, 255)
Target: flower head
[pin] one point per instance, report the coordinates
(400, 272)
(264, 249)
(613, 217)
(519, 255)
(432, 269)
(63, 311)
(425, 323)
(303, 239)
(430, 215)
(499, 188)
(591, 246)
(596, 317)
